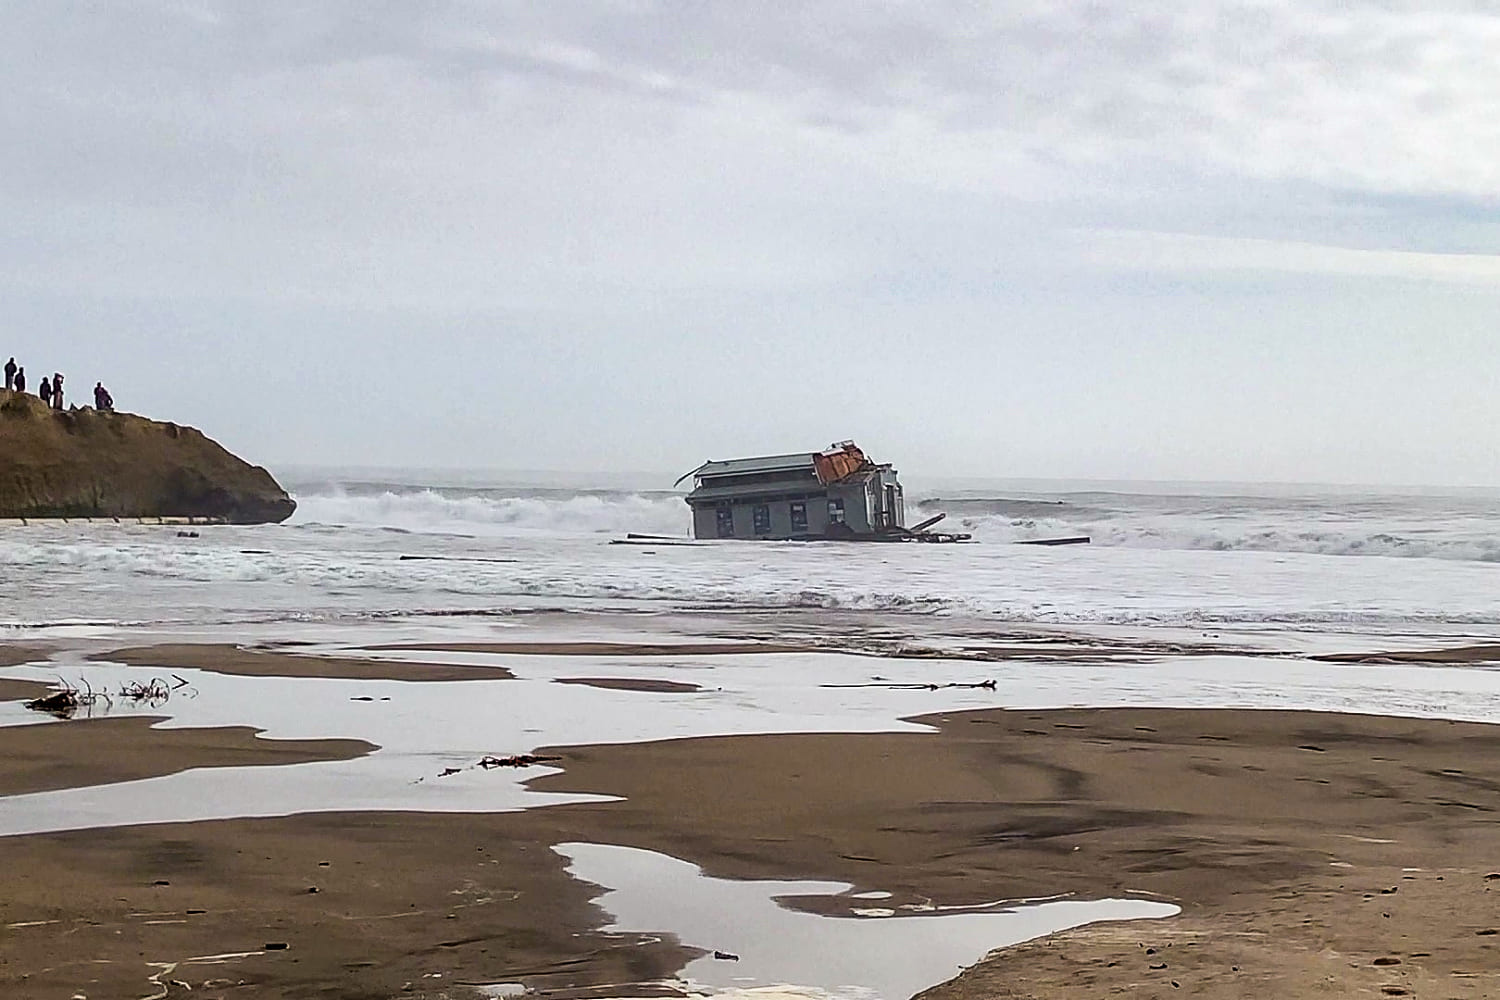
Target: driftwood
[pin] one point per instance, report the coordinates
(934, 519)
(517, 760)
(484, 559)
(988, 685)
(919, 533)
(61, 703)
(66, 700)
(155, 691)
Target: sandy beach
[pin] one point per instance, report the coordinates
(1312, 854)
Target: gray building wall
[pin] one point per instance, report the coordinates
(877, 489)
(861, 502)
(706, 518)
(856, 506)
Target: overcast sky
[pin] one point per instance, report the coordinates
(1195, 240)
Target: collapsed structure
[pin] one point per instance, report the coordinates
(838, 493)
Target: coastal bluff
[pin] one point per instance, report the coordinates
(87, 463)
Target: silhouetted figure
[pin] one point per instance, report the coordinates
(103, 401)
(57, 402)
(10, 374)
(20, 379)
(45, 391)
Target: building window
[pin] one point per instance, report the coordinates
(762, 519)
(724, 516)
(836, 510)
(799, 516)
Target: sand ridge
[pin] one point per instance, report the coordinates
(82, 752)
(224, 658)
(1479, 653)
(554, 648)
(651, 684)
(18, 690)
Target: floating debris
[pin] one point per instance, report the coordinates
(1069, 540)
(154, 691)
(837, 494)
(486, 559)
(518, 760)
(988, 685)
(489, 761)
(66, 700)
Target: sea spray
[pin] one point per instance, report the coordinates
(493, 512)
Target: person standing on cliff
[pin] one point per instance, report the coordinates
(45, 391)
(10, 374)
(20, 379)
(57, 402)
(103, 401)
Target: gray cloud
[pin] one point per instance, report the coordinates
(643, 210)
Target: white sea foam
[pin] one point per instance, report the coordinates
(380, 550)
(1415, 528)
(1421, 530)
(430, 510)
(1413, 542)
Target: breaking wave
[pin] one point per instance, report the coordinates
(1464, 539)
(492, 512)
(371, 550)
(1209, 524)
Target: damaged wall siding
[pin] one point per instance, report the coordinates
(779, 513)
(801, 495)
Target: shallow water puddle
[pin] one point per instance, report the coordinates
(887, 957)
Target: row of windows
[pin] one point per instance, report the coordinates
(767, 498)
(761, 517)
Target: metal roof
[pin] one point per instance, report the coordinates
(790, 488)
(766, 463)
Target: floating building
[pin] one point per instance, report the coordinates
(838, 493)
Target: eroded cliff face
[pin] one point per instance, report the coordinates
(84, 463)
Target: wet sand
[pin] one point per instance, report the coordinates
(601, 648)
(12, 655)
(1485, 653)
(1280, 834)
(227, 659)
(14, 690)
(82, 752)
(345, 906)
(19, 690)
(1020, 647)
(632, 684)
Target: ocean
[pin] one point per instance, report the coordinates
(394, 544)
